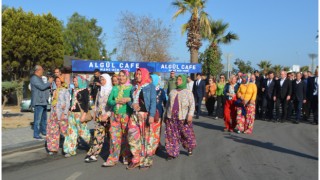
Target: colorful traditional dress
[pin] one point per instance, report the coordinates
(119, 145)
(56, 126)
(246, 114)
(76, 128)
(180, 105)
(229, 106)
(140, 135)
(101, 109)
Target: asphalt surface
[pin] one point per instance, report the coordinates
(274, 151)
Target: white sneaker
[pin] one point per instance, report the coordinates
(67, 155)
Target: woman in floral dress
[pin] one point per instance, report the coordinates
(119, 97)
(58, 121)
(143, 102)
(77, 125)
(179, 113)
(102, 113)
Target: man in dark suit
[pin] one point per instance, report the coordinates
(298, 95)
(282, 95)
(267, 90)
(306, 106)
(199, 89)
(312, 95)
(258, 83)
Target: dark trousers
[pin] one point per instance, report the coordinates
(267, 108)
(284, 107)
(291, 108)
(306, 110)
(220, 106)
(258, 106)
(210, 101)
(198, 102)
(314, 108)
(298, 109)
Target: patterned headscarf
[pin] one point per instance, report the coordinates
(145, 76)
(245, 76)
(155, 80)
(183, 85)
(82, 82)
(127, 74)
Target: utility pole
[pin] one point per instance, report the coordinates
(313, 57)
(228, 56)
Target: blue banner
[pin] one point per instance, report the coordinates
(116, 66)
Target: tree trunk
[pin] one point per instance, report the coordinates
(194, 59)
(5, 100)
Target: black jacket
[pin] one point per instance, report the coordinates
(200, 90)
(299, 90)
(269, 91)
(284, 90)
(311, 87)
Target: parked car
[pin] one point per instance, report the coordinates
(25, 105)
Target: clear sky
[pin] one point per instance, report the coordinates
(281, 31)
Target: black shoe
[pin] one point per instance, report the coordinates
(197, 117)
(282, 121)
(296, 122)
(170, 158)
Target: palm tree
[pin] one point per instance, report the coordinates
(304, 68)
(286, 68)
(264, 65)
(197, 26)
(276, 69)
(218, 36)
(212, 59)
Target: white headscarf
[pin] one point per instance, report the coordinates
(106, 89)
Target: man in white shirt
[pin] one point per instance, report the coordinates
(239, 77)
(190, 83)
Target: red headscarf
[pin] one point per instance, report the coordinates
(145, 76)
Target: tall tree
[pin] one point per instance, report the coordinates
(211, 58)
(143, 38)
(242, 66)
(304, 68)
(276, 69)
(264, 65)
(197, 26)
(286, 68)
(83, 38)
(29, 39)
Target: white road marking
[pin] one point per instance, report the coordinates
(74, 176)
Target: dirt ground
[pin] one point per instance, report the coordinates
(13, 118)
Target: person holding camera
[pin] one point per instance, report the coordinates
(95, 84)
(39, 100)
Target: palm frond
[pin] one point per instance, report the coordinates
(181, 8)
(205, 24)
(184, 28)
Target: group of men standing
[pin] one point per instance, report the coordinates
(292, 92)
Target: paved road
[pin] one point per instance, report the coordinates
(274, 151)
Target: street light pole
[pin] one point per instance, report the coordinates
(228, 56)
(312, 56)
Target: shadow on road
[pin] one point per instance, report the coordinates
(209, 126)
(270, 146)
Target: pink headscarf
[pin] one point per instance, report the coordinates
(145, 76)
(126, 73)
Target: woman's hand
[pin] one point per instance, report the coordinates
(151, 120)
(136, 107)
(189, 119)
(63, 106)
(62, 116)
(104, 118)
(83, 117)
(252, 102)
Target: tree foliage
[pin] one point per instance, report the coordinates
(304, 68)
(211, 59)
(29, 39)
(197, 26)
(83, 38)
(142, 38)
(243, 66)
(276, 69)
(264, 65)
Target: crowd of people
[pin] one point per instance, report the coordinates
(130, 112)
(246, 97)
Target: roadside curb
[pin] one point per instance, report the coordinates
(25, 146)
